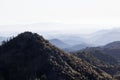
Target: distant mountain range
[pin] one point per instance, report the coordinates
(98, 38)
(67, 47)
(76, 47)
(104, 36)
(72, 42)
(59, 43)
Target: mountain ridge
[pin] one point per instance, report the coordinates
(29, 56)
(59, 43)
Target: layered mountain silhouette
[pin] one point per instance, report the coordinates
(67, 47)
(103, 37)
(59, 43)
(112, 45)
(77, 47)
(30, 57)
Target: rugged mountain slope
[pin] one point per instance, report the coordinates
(29, 57)
(106, 66)
(90, 58)
(101, 57)
(109, 53)
(59, 43)
(113, 49)
(99, 53)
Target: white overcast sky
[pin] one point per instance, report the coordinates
(103, 13)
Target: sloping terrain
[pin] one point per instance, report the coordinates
(106, 57)
(99, 53)
(30, 57)
(98, 62)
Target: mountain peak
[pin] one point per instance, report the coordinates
(26, 38)
(30, 35)
(30, 57)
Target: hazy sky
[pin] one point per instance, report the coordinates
(105, 13)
